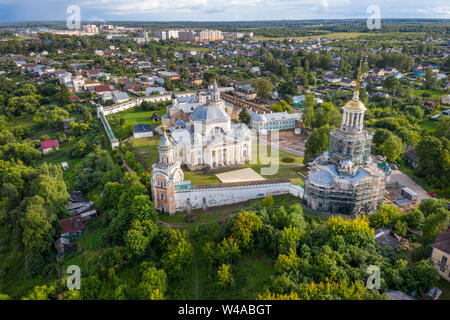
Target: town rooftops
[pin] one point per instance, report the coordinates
(138, 128)
(102, 88)
(48, 144)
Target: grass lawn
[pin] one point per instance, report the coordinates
(146, 150)
(428, 124)
(435, 95)
(132, 117)
(251, 274)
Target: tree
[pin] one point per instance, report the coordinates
(281, 107)
(51, 115)
(326, 113)
(380, 136)
(178, 252)
(435, 224)
(392, 148)
(287, 262)
(316, 144)
(263, 87)
(244, 116)
(153, 283)
(79, 128)
(424, 275)
(37, 226)
(227, 250)
(224, 277)
(267, 202)
(289, 239)
(63, 96)
(138, 238)
(434, 161)
(431, 79)
(245, 227)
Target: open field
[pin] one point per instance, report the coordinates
(336, 35)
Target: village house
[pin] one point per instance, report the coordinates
(411, 158)
(49, 145)
(441, 254)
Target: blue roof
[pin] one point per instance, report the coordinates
(142, 128)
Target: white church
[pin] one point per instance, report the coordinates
(202, 133)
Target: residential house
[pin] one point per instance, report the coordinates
(331, 78)
(120, 97)
(441, 254)
(72, 227)
(49, 145)
(446, 99)
(151, 90)
(411, 158)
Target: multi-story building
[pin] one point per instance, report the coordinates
(273, 121)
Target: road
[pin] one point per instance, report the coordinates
(403, 179)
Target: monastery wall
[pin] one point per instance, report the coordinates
(204, 196)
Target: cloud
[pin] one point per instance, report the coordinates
(170, 10)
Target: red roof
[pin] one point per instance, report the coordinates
(73, 98)
(49, 144)
(102, 88)
(71, 225)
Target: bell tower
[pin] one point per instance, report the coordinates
(353, 116)
(215, 93)
(349, 146)
(166, 172)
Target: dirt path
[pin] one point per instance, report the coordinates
(196, 276)
(196, 271)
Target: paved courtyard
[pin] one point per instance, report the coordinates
(403, 179)
(290, 142)
(241, 175)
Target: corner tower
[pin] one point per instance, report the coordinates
(166, 172)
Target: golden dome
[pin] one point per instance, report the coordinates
(355, 105)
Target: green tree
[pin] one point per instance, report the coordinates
(263, 87)
(244, 116)
(224, 277)
(245, 227)
(392, 148)
(316, 144)
(63, 96)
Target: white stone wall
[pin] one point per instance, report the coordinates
(225, 196)
(143, 134)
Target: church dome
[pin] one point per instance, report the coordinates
(355, 105)
(259, 118)
(209, 113)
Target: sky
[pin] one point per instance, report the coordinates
(219, 10)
